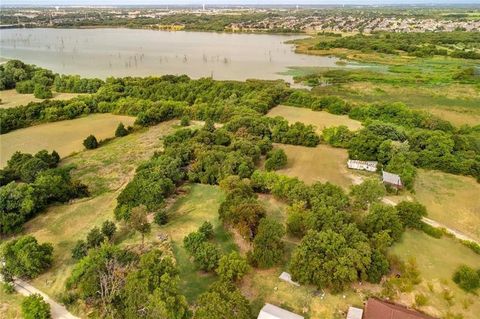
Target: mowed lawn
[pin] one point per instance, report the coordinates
(11, 98)
(319, 119)
(322, 163)
(452, 200)
(186, 215)
(65, 137)
(437, 260)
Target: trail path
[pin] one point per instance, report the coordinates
(436, 224)
(58, 311)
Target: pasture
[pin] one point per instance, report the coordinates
(451, 200)
(322, 163)
(65, 137)
(437, 260)
(11, 98)
(319, 119)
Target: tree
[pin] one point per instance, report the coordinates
(232, 267)
(161, 217)
(109, 229)
(42, 92)
(139, 222)
(95, 237)
(209, 125)
(80, 250)
(121, 130)
(34, 307)
(193, 241)
(185, 121)
(25, 257)
(207, 229)
(222, 301)
(368, 192)
(411, 213)
(297, 219)
(268, 247)
(206, 256)
(90, 142)
(329, 259)
(31, 168)
(467, 278)
(276, 159)
(378, 267)
(383, 218)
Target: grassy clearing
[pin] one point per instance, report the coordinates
(437, 259)
(10, 305)
(200, 204)
(451, 200)
(322, 163)
(11, 98)
(65, 137)
(319, 119)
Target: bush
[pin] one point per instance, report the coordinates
(206, 256)
(207, 230)
(90, 142)
(121, 130)
(420, 300)
(80, 250)
(109, 229)
(8, 287)
(431, 231)
(42, 92)
(161, 217)
(467, 278)
(268, 247)
(411, 213)
(185, 121)
(276, 159)
(232, 267)
(34, 307)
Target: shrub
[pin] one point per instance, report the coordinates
(411, 213)
(420, 300)
(431, 231)
(80, 250)
(95, 238)
(232, 267)
(109, 229)
(161, 217)
(467, 278)
(121, 130)
(42, 92)
(34, 307)
(207, 229)
(268, 247)
(206, 256)
(185, 121)
(90, 142)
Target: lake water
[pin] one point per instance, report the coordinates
(127, 52)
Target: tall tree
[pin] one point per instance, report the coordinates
(139, 222)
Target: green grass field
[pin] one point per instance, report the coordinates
(437, 259)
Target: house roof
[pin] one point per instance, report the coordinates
(273, 312)
(354, 313)
(391, 178)
(378, 309)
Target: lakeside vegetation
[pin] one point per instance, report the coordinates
(202, 171)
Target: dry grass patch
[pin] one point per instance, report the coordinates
(451, 200)
(319, 164)
(65, 137)
(11, 98)
(10, 305)
(319, 119)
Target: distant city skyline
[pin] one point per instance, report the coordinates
(234, 2)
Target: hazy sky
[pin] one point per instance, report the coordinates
(235, 2)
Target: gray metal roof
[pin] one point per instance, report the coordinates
(391, 178)
(273, 312)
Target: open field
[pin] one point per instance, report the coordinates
(65, 137)
(319, 119)
(10, 98)
(321, 163)
(105, 170)
(437, 259)
(451, 200)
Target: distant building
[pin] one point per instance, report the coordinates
(379, 309)
(392, 179)
(354, 313)
(273, 312)
(370, 166)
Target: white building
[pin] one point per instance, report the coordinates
(273, 312)
(392, 179)
(285, 276)
(354, 313)
(370, 166)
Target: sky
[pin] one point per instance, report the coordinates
(232, 2)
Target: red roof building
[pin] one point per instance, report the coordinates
(378, 309)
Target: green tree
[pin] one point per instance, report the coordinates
(90, 142)
(276, 159)
(297, 219)
(121, 130)
(25, 257)
(378, 267)
(368, 192)
(268, 247)
(206, 256)
(185, 121)
(467, 278)
(383, 218)
(139, 222)
(222, 301)
(80, 250)
(34, 307)
(207, 229)
(109, 229)
(232, 267)
(95, 237)
(42, 92)
(411, 213)
(193, 241)
(31, 168)
(161, 217)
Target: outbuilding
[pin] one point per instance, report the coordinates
(273, 312)
(392, 179)
(370, 166)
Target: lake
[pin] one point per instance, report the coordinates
(128, 52)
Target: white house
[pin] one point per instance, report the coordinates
(354, 313)
(392, 179)
(273, 312)
(370, 166)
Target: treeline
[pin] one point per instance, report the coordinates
(420, 44)
(29, 183)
